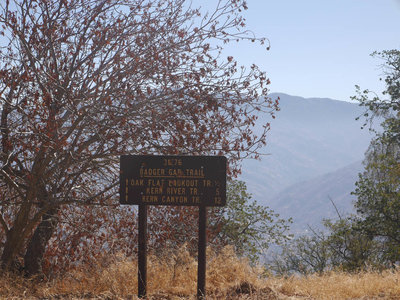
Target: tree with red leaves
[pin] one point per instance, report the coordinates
(84, 81)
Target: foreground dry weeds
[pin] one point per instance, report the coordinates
(174, 277)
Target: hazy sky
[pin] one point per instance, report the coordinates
(321, 48)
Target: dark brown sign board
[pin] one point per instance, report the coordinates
(173, 180)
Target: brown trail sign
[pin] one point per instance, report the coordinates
(172, 180)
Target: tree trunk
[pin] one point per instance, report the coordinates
(11, 248)
(37, 245)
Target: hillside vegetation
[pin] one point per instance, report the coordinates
(173, 276)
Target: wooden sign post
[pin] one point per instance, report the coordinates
(142, 254)
(172, 180)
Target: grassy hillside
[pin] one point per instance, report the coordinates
(173, 276)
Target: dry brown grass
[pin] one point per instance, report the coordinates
(338, 285)
(174, 277)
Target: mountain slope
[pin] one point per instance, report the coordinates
(314, 149)
(309, 137)
(309, 202)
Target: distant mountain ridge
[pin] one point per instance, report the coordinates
(309, 202)
(308, 139)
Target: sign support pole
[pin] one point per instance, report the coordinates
(201, 267)
(142, 255)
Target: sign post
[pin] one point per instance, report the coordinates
(142, 255)
(172, 180)
(201, 264)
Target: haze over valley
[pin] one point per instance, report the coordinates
(315, 148)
